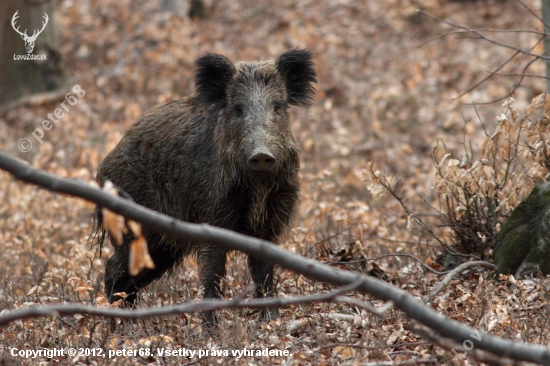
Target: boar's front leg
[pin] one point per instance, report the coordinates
(262, 274)
(212, 261)
(280, 207)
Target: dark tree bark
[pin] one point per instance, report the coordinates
(197, 9)
(21, 79)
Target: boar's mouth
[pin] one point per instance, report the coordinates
(263, 176)
(262, 163)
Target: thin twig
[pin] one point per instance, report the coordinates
(430, 269)
(453, 346)
(380, 311)
(517, 83)
(294, 325)
(443, 35)
(367, 348)
(487, 77)
(535, 14)
(393, 192)
(481, 36)
(373, 237)
(192, 307)
(455, 272)
(335, 235)
(521, 75)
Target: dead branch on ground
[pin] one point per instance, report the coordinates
(312, 269)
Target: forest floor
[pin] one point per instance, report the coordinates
(385, 96)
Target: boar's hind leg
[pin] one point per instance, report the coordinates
(262, 274)
(212, 261)
(117, 279)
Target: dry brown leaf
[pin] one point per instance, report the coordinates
(135, 227)
(343, 351)
(393, 337)
(83, 289)
(113, 222)
(101, 300)
(139, 256)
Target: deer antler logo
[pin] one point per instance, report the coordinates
(29, 41)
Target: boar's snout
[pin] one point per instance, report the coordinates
(261, 160)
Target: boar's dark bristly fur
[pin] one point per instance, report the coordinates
(225, 156)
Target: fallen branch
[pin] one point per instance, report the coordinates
(453, 346)
(294, 325)
(420, 261)
(229, 240)
(361, 304)
(455, 272)
(192, 307)
(429, 361)
(357, 320)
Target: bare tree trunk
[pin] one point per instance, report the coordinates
(23, 73)
(197, 9)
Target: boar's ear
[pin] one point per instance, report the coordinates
(212, 76)
(298, 71)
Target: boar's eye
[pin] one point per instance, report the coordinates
(239, 109)
(279, 107)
